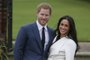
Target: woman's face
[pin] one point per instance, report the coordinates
(64, 27)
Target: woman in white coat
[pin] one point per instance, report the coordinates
(65, 44)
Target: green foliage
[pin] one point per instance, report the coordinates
(24, 12)
(3, 51)
(86, 1)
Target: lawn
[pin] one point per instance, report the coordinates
(24, 12)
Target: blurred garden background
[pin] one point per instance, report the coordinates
(24, 12)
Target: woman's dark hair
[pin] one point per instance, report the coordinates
(72, 31)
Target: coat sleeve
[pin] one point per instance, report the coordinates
(19, 44)
(70, 49)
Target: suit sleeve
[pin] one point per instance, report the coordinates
(19, 44)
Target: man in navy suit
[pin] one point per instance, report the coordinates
(28, 44)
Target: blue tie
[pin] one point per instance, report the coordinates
(43, 37)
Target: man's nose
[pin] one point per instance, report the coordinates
(44, 16)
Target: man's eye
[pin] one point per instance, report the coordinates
(61, 23)
(42, 14)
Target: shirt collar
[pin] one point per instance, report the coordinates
(40, 26)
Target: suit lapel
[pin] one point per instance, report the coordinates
(37, 35)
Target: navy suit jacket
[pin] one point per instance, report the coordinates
(28, 43)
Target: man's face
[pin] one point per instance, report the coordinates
(43, 16)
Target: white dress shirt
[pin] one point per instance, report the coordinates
(46, 32)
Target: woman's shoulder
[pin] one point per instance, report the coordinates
(69, 41)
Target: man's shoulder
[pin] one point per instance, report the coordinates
(29, 25)
(52, 31)
(50, 28)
